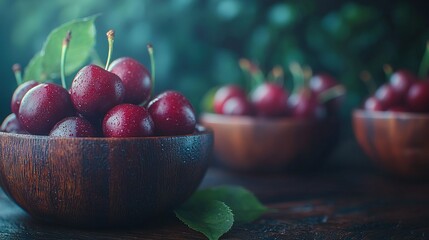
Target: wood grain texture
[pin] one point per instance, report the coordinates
(397, 142)
(349, 203)
(100, 181)
(256, 144)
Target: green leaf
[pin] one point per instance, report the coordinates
(45, 65)
(212, 218)
(34, 70)
(244, 205)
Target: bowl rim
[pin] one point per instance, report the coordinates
(386, 115)
(200, 131)
(228, 119)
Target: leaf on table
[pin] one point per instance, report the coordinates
(212, 218)
(244, 205)
(45, 65)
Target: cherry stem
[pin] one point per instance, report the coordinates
(152, 66)
(110, 38)
(255, 73)
(388, 70)
(367, 79)
(64, 49)
(245, 66)
(331, 93)
(298, 77)
(17, 71)
(277, 75)
(424, 65)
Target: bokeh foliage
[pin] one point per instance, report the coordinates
(198, 42)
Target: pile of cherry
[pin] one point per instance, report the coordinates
(314, 97)
(403, 93)
(110, 102)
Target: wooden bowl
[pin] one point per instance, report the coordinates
(397, 142)
(102, 181)
(267, 145)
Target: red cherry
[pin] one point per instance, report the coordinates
(401, 82)
(373, 104)
(128, 120)
(224, 93)
(305, 104)
(270, 100)
(135, 77)
(322, 82)
(172, 114)
(94, 91)
(387, 96)
(19, 93)
(43, 106)
(12, 125)
(237, 106)
(418, 96)
(73, 127)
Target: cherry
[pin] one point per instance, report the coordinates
(238, 106)
(135, 77)
(43, 106)
(223, 94)
(270, 100)
(12, 125)
(21, 90)
(95, 90)
(401, 82)
(172, 114)
(128, 120)
(418, 96)
(305, 104)
(387, 96)
(19, 93)
(73, 127)
(321, 83)
(373, 104)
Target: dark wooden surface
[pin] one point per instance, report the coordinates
(335, 203)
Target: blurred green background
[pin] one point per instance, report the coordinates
(198, 43)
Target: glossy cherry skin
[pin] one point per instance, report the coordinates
(172, 114)
(135, 77)
(94, 91)
(270, 100)
(373, 104)
(19, 93)
(237, 106)
(387, 96)
(305, 105)
(11, 124)
(223, 94)
(321, 83)
(128, 120)
(401, 82)
(43, 106)
(73, 127)
(418, 96)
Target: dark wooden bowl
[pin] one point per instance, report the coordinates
(102, 181)
(267, 145)
(397, 142)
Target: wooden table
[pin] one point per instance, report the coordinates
(335, 203)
